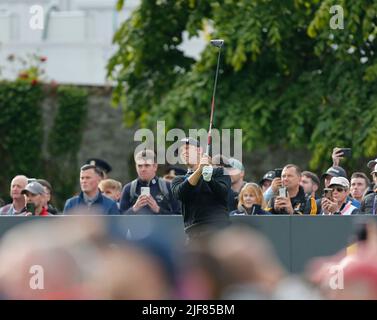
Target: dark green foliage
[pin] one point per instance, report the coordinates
(21, 131)
(287, 79)
(21, 136)
(65, 140)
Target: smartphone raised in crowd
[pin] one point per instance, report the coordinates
(278, 172)
(30, 207)
(346, 152)
(283, 192)
(145, 191)
(327, 193)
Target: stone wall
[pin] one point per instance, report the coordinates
(105, 137)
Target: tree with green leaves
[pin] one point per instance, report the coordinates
(295, 73)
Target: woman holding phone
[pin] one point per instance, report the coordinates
(251, 201)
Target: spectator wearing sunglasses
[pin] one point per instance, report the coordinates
(338, 203)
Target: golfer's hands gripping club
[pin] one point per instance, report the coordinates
(205, 161)
(207, 169)
(207, 173)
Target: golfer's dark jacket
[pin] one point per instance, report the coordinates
(207, 202)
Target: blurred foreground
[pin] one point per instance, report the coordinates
(88, 258)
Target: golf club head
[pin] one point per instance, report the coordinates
(217, 43)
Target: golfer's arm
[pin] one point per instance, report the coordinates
(220, 185)
(195, 177)
(181, 188)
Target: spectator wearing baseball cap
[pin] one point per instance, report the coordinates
(339, 203)
(275, 184)
(35, 199)
(266, 181)
(236, 171)
(369, 202)
(230, 168)
(334, 171)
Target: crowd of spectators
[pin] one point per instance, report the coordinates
(285, 190)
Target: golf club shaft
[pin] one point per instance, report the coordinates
(209, 139)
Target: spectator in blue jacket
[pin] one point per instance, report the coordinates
(91, 196)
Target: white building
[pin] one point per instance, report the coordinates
(76, 36)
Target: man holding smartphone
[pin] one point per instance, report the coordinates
(148, 194)
(290, 198)
(35, 198)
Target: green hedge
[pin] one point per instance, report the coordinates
(21, 131)
(21, 136)
(65, 140)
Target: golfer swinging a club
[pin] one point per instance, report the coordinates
(204, 190)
